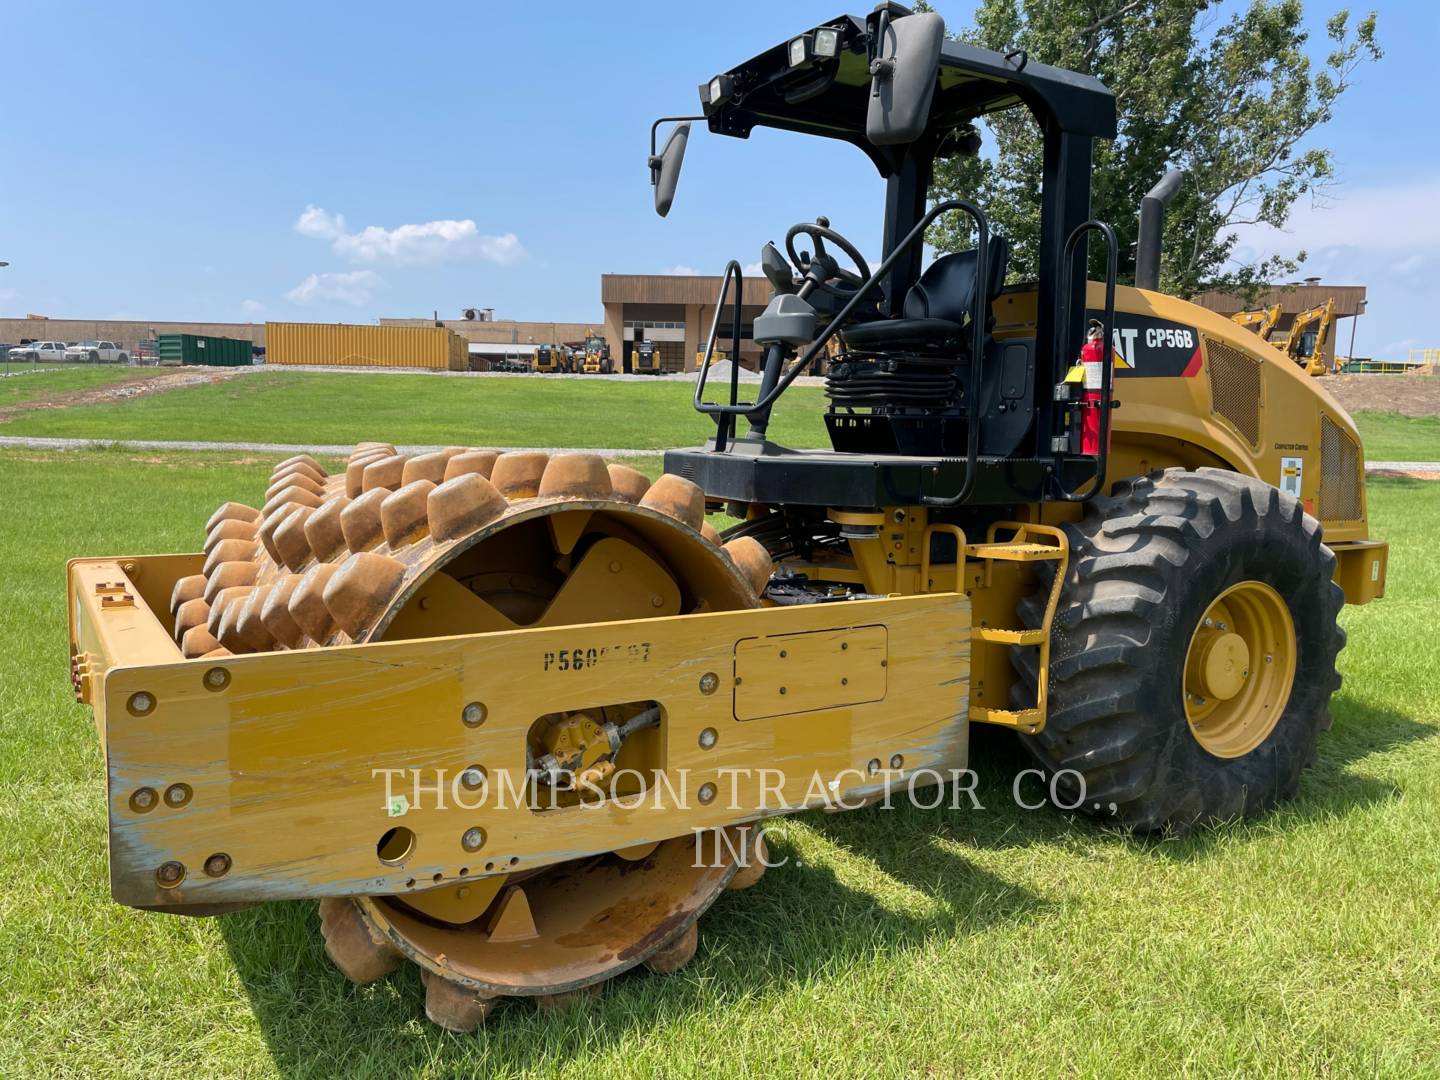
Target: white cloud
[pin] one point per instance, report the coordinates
(319, 224)
(354, 287)
(429, 242)
(1408, 265)
(251, 307)
(1397, 218)
(1382, 237)
(754, 269)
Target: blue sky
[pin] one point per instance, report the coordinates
(345, 161)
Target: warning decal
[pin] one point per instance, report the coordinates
(1292, 471)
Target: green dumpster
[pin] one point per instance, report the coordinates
(203, 350)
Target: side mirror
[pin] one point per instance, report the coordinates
(665, 166)
(902, 77)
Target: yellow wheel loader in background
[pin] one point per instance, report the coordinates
(595, 358)
(514, 718)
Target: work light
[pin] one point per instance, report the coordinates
(720, 89)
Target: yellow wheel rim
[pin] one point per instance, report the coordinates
(1239, 669)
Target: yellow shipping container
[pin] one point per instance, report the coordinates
(338, 345)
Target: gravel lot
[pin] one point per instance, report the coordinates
(1410, 395)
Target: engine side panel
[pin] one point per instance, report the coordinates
(1195, 389)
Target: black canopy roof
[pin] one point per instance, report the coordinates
(829, 97)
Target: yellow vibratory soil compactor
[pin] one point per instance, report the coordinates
(488, 708)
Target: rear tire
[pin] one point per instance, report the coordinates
(1122, 739)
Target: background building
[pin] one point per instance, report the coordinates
(124, 332)
(507, 331)
(675, 312)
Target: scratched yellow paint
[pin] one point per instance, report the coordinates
(283, 761)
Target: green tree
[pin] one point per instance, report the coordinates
(1232, 100)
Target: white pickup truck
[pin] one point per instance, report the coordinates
(39, 352)
(97, 352)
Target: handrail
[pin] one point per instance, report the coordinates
(724, 422)
(978, 318)
(1107, 366)
(925, 538)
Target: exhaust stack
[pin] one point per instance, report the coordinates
(1152, 229)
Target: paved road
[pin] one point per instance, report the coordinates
(1402, 466)
(29, 442)
(719, 374)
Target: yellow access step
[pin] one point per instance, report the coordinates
(1029, 721)
(1014, 552)
(1011, 637)
(1027, 543)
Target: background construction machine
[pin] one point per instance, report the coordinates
(551, 359)
(512, 717)
(1260, 320)
(592, 356)
(716, 356)
(1305, 341)
(644, 358)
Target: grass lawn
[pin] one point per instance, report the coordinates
(274, 406)
(47, 382)
(1395, 437)
(910, 942)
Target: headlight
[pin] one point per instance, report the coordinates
(799, 51)
(827, 42)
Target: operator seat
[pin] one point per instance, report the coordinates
(936, 313)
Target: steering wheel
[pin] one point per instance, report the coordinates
(845, 283)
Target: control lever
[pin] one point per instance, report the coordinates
(817, 240)
(776, 269)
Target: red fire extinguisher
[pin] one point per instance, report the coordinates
(1092, 358)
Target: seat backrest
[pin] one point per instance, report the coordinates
(946, 290)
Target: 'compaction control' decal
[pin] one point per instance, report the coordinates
(1149, 348)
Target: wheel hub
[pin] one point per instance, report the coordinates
(1223, 664)
(1239, 669)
